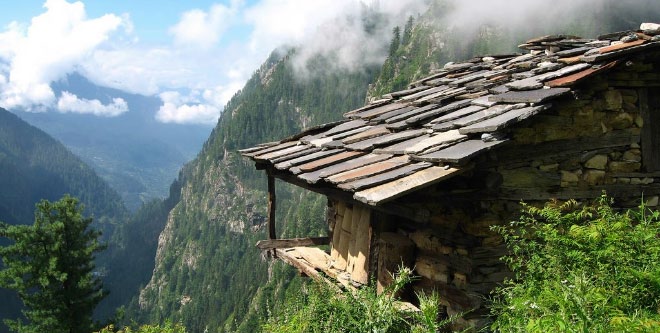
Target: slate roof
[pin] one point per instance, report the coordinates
(433, 130)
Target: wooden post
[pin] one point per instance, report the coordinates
(271, 206)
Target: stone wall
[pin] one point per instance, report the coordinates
(588, 142)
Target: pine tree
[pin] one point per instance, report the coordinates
(50, 265)
(396, 41)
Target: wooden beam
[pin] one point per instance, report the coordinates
(291, 242)
(271, 206)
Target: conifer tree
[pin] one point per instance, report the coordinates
(50, 265)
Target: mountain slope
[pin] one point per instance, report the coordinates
(34, 166)
(207, 269)
(138, 155)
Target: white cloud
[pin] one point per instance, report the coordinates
(204, 29)
(52, 45)
(69, 102)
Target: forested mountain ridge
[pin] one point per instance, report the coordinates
(34, 166)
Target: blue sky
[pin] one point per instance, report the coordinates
(194, 55)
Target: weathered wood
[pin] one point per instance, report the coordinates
(441, 96)
(416, 215)
(400, 148)
(360, 272)
(280, 153)
(397, 112)
(460, 152)
(411, 113)
(343, 135)
(397, 188)
(347, 126)
(379, 110)
(436, 140)
(458, 114)
(309, 150)
(383, 177)
(386, 139)
(306, 158)
(369, 106)
(352, 244)
(291, 242)
(271, 207)
(369, 170)
(272, 148)
(499, 122)
(572, 79)
(436, 112)
(368, 134)
(529, 96)
(315, 176)
(426, 92)
(485, 114)
(341, 261)
(336, 234)
(326, 161)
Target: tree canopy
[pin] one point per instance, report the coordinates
(50, 264)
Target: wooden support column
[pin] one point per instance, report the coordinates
(271, 206)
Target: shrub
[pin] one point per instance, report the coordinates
(321, 308)
(581, 268)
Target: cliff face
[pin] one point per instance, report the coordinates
(207, 270)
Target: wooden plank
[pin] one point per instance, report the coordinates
(436, 112)
(530, 96)
(317, 258)
(384, 177)
(342, 135)
(426, 92)
(290, 256)
(409, 91)
(386, 139)
(336, 234)
(458, 114)
(499, 122)
(379, 110)
(368, 170)
(410, 113)
(368, 134)
(460, 152)
(305, 152)
(291, 242)
(360, 272)
(352, 244)
(271, 206)
(572, 79)
(280, 153)
(347, 126)
(436, 140)
(617, 47)
(394, 113)
(400, 148)
(397, 188)
(273, 148)
(485, 114)
(326, 161)
(315, 176)
(344, 240)
(306, 158)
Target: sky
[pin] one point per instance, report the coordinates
(194, 55)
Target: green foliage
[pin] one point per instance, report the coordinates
(50, 265)
(320, 308)
(167, 328)
(581, 268)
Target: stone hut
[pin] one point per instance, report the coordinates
(419, 176)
